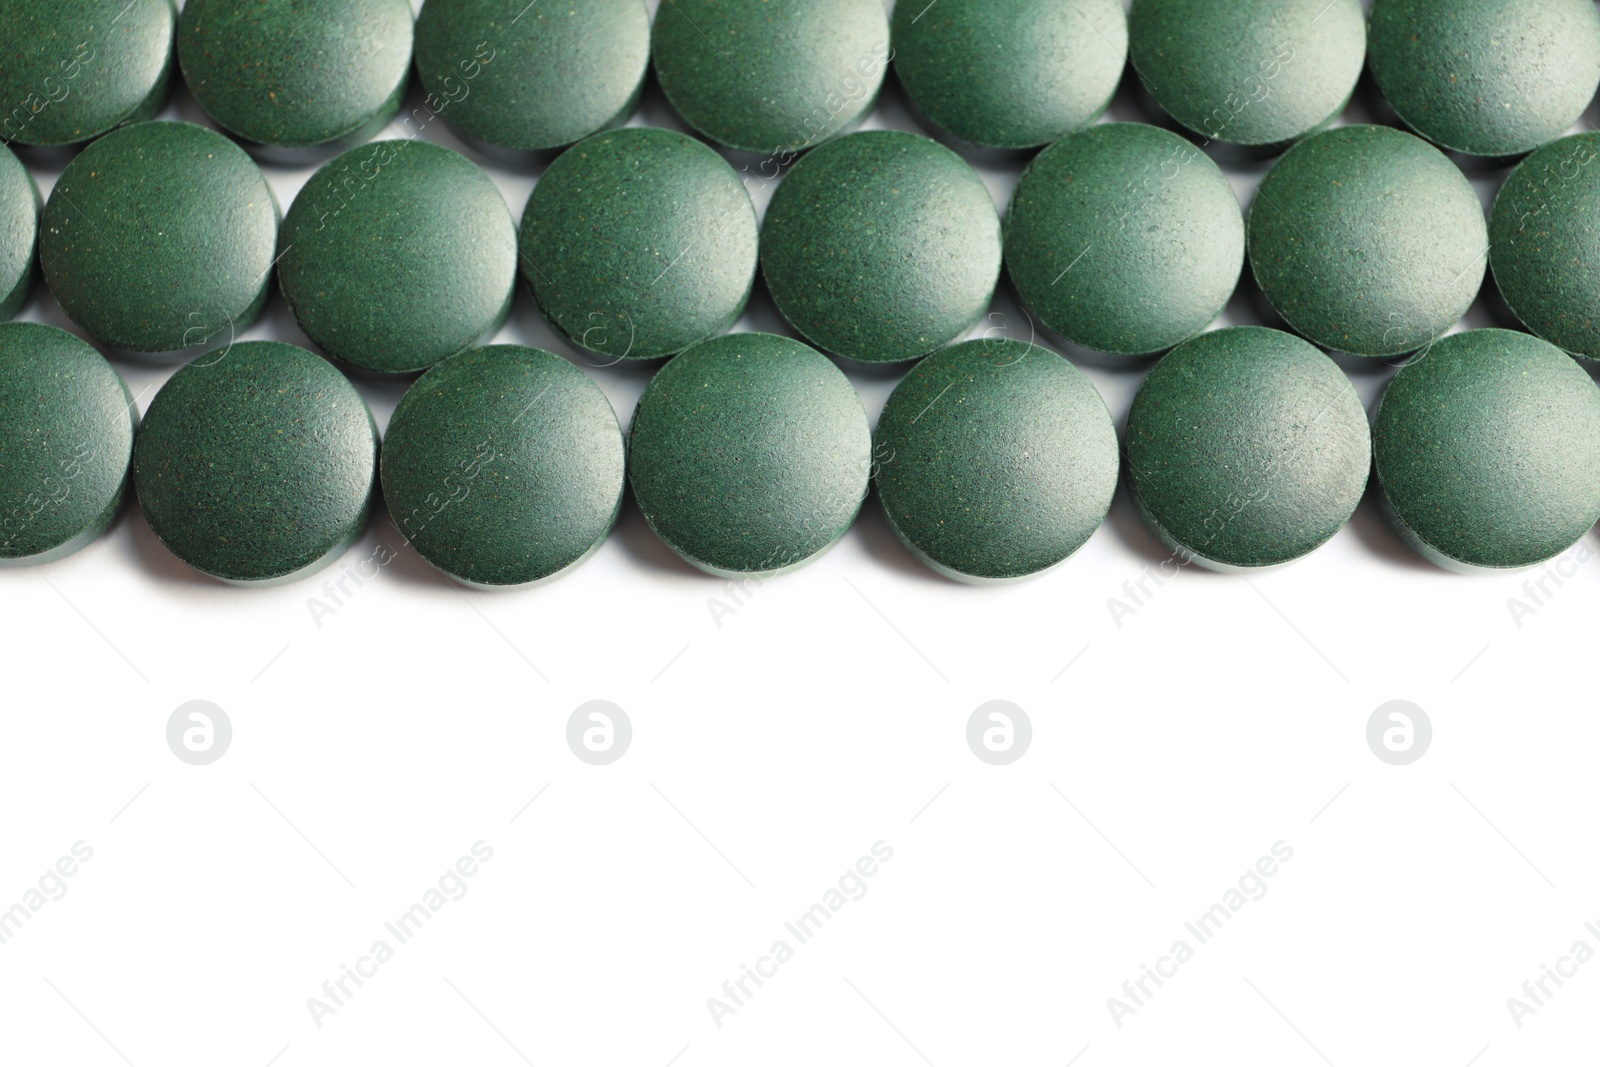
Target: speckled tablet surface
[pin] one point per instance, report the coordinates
(160, 236)
(74, 69)
(749, 454)
(1542, 243)
(257, 462)
(1125, 239)
(503, 465)
(881, 246)
(640, 242)
(398, 254)
(1010, 73)
(1487, 77)
(19, 233)
(1488, 451)
(1367, 240)
(995, 460)
(531, 75)
(296, 72)
(1247, 447)
(66, 435)
(775, 77)
(1251, 72)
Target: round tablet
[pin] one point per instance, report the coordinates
(749, 454)
(1367, 240)
(995, 460)
(503, 465)
(296, 74)
(19, 232)
(1125, 239)
(397, 254)
(532, 75)
(160, 236)
(1251, 72)
(76, 68)
(66, 433)
(1010, 73)
(1247, 447)
(640, 242)
(1487, 77)
(881, 246)
(1541, 243)
(1488, 451)
(257, 462)
(771, 77)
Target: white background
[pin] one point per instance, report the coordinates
(769, 753)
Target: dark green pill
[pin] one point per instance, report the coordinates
(1010, 73)
(160, 236)
(1367, 240)
(639, 243)
(1251, 72)
(72, 69)
(1247, 447)
(398, 254)
(771, 76)
(995, 460)
(881, 246)
(1125, 239)
(532, 75)
(66, 434)
(1487, 77)
(1542, 243)
(503, 466)
(19, 232)
(296, 72)
(256, 462)
(1488, 451)
(749, 454)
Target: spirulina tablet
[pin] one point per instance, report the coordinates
(1487, 77)
(772, 77)
(503, 465)
(1488, 451)
(995, 460)
(1367, 240)
(640, 242)
(1247, 447)
(296, 72)
(1010, 73)
(398, 254)
(160, 236)
(1541, 243)
(532, 75)
(256, 462)
(66, 435)
(1124, 238)
(19, 233)
(74, 69)
(1250, 72)
(749, 454)
(881, 246)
